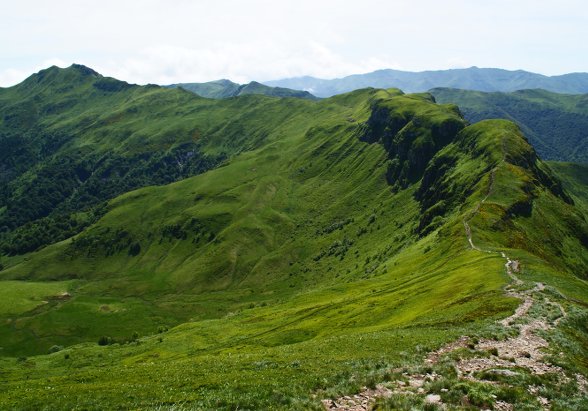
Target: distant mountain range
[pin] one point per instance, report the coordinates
(473, 78)
(226, 88)
(556, 124)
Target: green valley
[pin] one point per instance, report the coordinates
(161, 250)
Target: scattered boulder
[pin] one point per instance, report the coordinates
(433, 399)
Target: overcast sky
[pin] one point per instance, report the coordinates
(152, 41)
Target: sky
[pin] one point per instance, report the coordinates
(164, 42)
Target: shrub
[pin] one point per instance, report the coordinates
(134, 249)
(55, 348)
(399, 402)
(511, 394)
(104, 340)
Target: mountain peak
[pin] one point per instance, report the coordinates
(75, 73)
(84, 70)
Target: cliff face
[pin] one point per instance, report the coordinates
(411, 132)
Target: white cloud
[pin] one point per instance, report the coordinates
(166, 64)
(162, 42)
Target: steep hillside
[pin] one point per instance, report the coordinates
(556, 124)
(575, 180)
(341, 243)
(473, 78)
(246, 224)
(226, 89)
(71, 139)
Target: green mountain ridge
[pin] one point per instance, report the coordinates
(325, 250)
(226, 89)
(555, 124)
(72, 139)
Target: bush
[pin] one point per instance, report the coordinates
(104, 340)
(135, 249)
(399, 402)
(511, 394)
(55, 348)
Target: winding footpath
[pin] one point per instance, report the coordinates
(525, 350)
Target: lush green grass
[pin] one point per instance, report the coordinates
(71, 139)
(17, 297)
(238, 236)
(575, 180)
(274, 355)
(330, 244)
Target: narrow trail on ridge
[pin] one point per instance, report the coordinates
(525, 350)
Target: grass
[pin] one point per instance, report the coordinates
(294, 269)
(573, 177)
(18, 297)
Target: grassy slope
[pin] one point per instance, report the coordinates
(554, 123)
(295, 265)
(575, 179)
(243, 233)
(72, 139)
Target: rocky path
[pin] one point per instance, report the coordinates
(524, 350)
